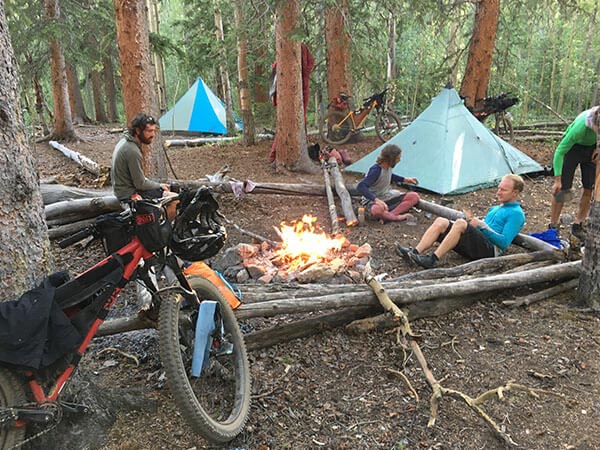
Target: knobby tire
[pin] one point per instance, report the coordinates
(334, 133)
(196, 397)
(12, 393)
(387, 125)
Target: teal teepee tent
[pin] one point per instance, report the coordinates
(449, 151)
(199, 110)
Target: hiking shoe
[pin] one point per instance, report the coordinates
(578, 231)
(407, 254)
(425, 261)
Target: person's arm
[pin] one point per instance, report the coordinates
(511, 227)
(364, 186)
(397, 179)
(140, 182)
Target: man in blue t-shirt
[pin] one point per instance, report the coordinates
(471, 237)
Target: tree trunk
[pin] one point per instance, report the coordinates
(223, 72)
(157, 60)
(588, 294)
(244, 84)
(391, 49)
(481, 49)
(24, 246)
(99, 111)
(292, 151)
(137, 75)
(260, 81)
(39, 104)
(108, 74)
(63, 122)
(566, 65)
(75, 97)
(337, 40)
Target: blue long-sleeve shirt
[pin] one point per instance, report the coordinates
(503, 223)
(377, 182)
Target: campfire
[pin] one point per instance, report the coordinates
(306, 254)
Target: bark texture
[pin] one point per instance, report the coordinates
(137, 75)
(588, 292)
(481, 48)
(24, 245)
(244, 84)
(63, 122)
(291, 132)
(337, 40)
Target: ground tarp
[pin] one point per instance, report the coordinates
(450, 152)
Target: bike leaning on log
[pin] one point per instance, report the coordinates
(342, 122)
(201, 346)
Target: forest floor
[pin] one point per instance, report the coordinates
(336, 390)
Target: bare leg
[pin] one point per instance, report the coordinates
(555, 210)
(438, 226)
(452, 238)
(584, 206)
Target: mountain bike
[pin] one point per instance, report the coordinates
(497, 106)
(201, 346)
(341, 122)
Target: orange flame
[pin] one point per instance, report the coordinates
(303, 243)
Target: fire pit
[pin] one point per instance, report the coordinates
(306, 254)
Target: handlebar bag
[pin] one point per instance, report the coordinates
(151, 225)
(116, 232)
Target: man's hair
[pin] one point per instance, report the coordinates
(140, 121)
(389, 154)
(517, 180)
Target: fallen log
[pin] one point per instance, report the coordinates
(333, 216)
(83, 207)
(522, 240)
(342, 192)
(53, 193)
(544, 294)
(198, 141)
(85, 162)
(403, 296)
(69, 229)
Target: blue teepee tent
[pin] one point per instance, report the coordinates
(449, 151)
(199, 110)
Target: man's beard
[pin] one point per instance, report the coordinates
(144, 140)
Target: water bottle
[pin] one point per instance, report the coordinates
(361, 215)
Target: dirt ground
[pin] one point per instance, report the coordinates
(336, 390)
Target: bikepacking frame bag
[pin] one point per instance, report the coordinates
(116, 232)
(151, 225)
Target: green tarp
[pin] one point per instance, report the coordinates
(450, 152)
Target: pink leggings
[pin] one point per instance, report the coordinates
(408, 200)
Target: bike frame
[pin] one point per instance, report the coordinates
(352, 115)
(134, 252)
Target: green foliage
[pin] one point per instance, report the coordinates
(538, 42)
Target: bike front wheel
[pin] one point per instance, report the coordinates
(215, 403)
(12, 393)
(387, 125)
(334, 129)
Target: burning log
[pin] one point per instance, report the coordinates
(522, 240)
(342, 192)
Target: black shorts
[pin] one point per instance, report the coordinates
(472, 243)
(579, 155)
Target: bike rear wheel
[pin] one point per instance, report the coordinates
(216, 403)
(332, 131)
(12, 393)
(387, 125)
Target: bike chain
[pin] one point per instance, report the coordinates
(46, 430)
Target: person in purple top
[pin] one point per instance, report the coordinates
(384, 203)
(471, 237)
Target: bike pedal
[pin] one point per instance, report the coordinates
(76, 408)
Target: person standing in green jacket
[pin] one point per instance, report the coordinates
(575, 149)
